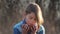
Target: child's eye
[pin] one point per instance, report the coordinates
(31, 18)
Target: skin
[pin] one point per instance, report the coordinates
(31, 24)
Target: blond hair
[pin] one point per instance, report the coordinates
(33, 7)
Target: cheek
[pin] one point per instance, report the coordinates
(31, 22)
(28, 21)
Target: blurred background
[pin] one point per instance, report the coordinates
(11, 12)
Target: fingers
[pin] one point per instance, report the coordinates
(33, 29)
(25, 27)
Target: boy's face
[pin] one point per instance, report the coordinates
(31, 19)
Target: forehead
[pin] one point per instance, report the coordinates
(31, 15)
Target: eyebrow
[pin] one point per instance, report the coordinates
(32, 17)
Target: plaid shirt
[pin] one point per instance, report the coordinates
(18, 30)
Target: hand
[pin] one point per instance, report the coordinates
(34, 29)
(25, 28)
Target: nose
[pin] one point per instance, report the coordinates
(32, 23)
